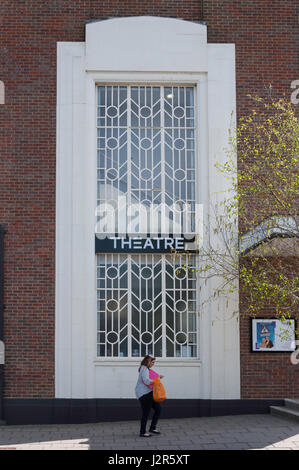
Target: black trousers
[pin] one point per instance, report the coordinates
(147, 402)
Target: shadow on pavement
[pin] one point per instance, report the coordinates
(214, 433)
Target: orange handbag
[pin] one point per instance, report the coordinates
(158, 391)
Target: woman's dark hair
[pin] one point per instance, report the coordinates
(146, 361)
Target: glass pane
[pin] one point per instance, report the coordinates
(180, 323)
(146, 153)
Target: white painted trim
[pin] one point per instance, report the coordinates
(224, 373)
(78, 374)
(67, 99)
(145, 43)
(134, 363)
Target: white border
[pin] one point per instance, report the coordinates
(78, 374)
(142, 79)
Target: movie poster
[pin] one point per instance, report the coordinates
(273, 335)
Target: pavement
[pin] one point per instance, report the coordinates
(244, 432)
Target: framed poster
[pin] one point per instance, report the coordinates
(272, 335)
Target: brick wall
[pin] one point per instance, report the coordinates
(265, 33)
(264, 374)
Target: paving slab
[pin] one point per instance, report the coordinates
(246, 432)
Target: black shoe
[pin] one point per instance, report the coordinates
(145, 435)
(153, 431)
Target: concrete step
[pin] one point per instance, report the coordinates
(292, 404)
(284, 412)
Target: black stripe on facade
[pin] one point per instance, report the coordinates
(20, 411)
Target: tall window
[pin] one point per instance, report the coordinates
(146, 153)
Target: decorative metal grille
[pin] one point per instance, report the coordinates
(146, 146)
(146, 305)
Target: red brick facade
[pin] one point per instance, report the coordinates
(266, 36)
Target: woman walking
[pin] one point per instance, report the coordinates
(144, 393)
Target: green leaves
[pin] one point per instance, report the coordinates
(264, 186)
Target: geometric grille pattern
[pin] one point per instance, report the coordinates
(146, 305)
(146, 145)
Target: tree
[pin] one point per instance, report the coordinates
(263, 203)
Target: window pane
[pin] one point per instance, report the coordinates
(146, 153)
(152, 292)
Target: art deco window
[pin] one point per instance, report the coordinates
(146, 152)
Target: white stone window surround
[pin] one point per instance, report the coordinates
(130, 329)
(81, 66)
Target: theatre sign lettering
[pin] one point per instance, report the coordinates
(149, 230)
(140, 245)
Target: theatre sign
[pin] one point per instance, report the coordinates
(140, 228)
(140, 245)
